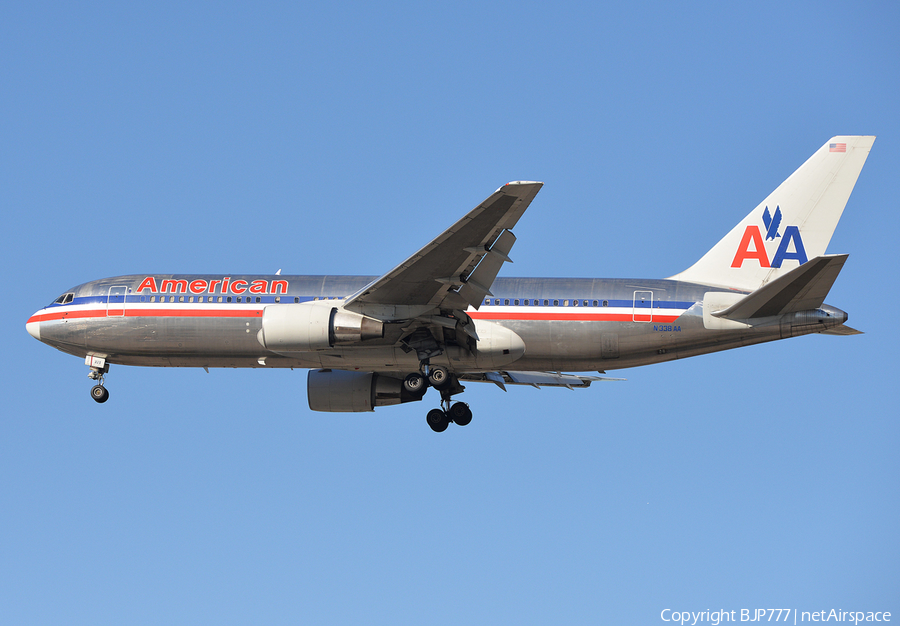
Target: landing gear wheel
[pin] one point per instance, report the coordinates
(415, 384)
(99, 393)
(438, 420)
(460, 413)
(439, 377)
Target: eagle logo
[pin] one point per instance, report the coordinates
(772, 223)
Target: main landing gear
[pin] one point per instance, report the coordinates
(438, 377)
(99, 367)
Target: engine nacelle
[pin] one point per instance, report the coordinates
(314, 326)
(340, 391)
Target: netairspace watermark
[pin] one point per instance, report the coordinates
(714, 618)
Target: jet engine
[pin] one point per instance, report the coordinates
(314, 326)
(340, 391)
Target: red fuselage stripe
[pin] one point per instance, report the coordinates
(509, 315)
(63, 315)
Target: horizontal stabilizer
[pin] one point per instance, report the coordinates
(843, 329)
(534, 379)
(802, 289)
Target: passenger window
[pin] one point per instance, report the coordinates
(506, 301)
(181, 298)
(565, 303)
(517, 302)
(152, 298)
(258, 299)
(574, 302)
(606, 303)
(296, 300)
(220, 298)
(171, 298)
(228, 299)
(556, 303)
(277, 299)
(594, 303)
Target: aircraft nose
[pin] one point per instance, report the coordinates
(33, 326)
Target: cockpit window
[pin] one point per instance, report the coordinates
(66, 298)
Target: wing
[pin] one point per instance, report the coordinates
(458, 267)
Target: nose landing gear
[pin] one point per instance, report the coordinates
(99, 367)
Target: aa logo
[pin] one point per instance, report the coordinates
(752, 246)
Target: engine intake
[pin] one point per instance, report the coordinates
(314, 326)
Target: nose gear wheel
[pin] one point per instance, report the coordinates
(99, 393)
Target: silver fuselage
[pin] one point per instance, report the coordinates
(570, 324)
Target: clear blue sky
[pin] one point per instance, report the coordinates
(339, 138)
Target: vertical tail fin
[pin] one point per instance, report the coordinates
(792, 225)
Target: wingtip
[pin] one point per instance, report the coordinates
(522, 182)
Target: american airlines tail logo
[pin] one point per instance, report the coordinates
(772, 223)
(752, 246)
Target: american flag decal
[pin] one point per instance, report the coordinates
(837, 147)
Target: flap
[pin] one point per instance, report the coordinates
(534, 379)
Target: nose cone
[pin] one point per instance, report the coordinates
(33, 326)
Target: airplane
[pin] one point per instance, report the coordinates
(442, 317)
